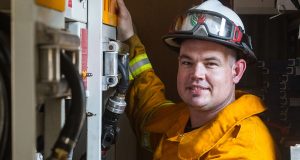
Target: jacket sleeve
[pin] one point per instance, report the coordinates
(146, 93)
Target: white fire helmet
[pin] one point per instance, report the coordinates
(215, 22)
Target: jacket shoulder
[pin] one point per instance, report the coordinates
(248, 139)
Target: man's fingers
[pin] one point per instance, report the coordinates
(122, 10)
(121, 4)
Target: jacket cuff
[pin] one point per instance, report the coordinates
(135, 46)
(132, 40)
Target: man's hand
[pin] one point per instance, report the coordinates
(125, 28)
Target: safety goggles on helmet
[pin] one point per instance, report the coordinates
(208, 24)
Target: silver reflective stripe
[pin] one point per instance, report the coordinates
(139, 64)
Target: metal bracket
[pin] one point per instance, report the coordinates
(51, 43)
(111, 51)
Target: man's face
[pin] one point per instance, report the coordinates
(206, 75)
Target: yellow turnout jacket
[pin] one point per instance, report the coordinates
(236, 133)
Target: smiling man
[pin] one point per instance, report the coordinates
(206, 78)
(214, 121)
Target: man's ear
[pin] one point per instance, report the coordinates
(238, 70)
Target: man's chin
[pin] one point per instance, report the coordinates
(198, 104)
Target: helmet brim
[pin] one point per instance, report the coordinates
(174, 42)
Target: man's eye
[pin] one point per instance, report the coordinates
(211, 64)
(185, 63)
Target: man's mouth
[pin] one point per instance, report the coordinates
(197, 89)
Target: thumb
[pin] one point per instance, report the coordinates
(121, 6)
(121, 2)
(122, 10)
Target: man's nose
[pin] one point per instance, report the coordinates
(199, 72)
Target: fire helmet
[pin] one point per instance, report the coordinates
(215, 22)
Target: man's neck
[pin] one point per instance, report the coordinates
(198, 118)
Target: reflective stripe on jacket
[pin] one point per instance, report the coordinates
(236, 133)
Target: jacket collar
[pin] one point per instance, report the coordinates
(209, 134)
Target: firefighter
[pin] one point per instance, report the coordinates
(214, 121)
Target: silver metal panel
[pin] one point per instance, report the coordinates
(95, 62)
(23, 80)
(109, 33)
(54, 121)
(76, 10)
(51, 18)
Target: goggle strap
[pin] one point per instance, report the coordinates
(249, 42)
(246, 40)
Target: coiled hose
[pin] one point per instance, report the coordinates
(5, 89)
(77, 114)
